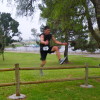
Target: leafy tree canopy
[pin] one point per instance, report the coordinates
(9, 28)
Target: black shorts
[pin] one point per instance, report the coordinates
(44, 53)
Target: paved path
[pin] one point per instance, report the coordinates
(36, 50)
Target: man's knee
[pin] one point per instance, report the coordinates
(56, 48)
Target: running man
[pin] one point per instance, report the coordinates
(45, 47)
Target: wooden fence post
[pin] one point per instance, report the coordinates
(86, 75)
(17, 96)
(86, 85)
(17, 77)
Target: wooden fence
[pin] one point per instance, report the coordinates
(17, 82)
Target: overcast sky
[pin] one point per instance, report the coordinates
(25, 23)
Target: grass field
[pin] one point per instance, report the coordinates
(69, 90)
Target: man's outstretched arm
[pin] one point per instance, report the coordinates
(58, 42)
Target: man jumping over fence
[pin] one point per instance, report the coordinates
(45, 47)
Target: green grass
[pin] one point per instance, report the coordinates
(69, 90)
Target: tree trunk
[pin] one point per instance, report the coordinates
(96, 4)
(94, 34)
(66, 48)
(90, 26)
(66, 53)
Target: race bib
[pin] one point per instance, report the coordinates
(46, 48)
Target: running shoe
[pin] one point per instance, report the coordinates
(61, 61)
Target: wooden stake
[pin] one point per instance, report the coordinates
(86, 75)
(17, 77)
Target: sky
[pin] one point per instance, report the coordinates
(25, 23)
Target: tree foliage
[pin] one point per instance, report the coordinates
(35, 35)
(8, 28)
(68, 19)
(77, 17)
(89, 9)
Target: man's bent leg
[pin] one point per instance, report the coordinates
(56, 49)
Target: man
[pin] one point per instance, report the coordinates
(45, 47)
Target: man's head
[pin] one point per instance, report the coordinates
(46, 30)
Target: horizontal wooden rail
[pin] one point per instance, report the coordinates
(51, 81)
(7, 84)
(47, 68)
(52, 68)
(7, 69)
(48, 81)
(93, 77)
(57, 80)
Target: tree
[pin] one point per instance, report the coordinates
(96, 14)
(26, 7)
(96, 4)
(2, 45)
(92, 45)
(35, 35)
(9, 28)
(63, 17)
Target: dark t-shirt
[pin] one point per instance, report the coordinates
(46, 37)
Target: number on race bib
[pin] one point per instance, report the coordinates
(46, 48)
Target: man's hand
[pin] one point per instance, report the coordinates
(64, 43)
(46, 42)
